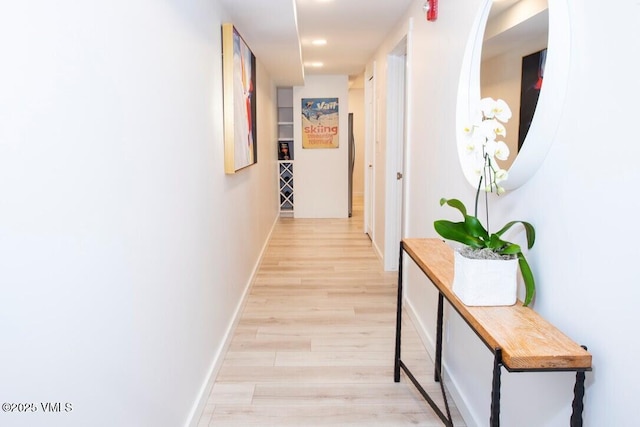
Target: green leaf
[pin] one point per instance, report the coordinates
(457, 231)
(529, 282)
(531, 232)
(502, 247)
(455, 203)
(511, 249)
(472, 224)
(496, 243)
(475, 227)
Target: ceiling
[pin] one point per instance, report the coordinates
(280, 32)
(516, 25)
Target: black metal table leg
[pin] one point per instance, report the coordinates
(438, 362)
(494, 421)
(578, 404)
(578, 399)
(438, 366)
(396, 369)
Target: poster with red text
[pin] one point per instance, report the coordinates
(319, 122)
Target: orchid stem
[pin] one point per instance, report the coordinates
(475, 213)
(486, 204)
(487, 171)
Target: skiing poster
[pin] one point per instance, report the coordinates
(320, 123)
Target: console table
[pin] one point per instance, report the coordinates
(520, 339)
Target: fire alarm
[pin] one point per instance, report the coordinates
(431, 9)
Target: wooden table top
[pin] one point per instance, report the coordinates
(528, 342)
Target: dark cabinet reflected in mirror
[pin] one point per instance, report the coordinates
(513, 62)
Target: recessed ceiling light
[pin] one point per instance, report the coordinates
(319, 42)
(314, 64)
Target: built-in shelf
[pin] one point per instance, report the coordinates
(285, 150)
(285, 113)
(285, 131)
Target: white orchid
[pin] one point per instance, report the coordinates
(471, 147)
(501, 175)
(468, 129)
(497, 149)
(502, 151)
(486, 129)
(495, 108)
(482, 144)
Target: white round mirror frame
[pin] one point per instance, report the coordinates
(550, 103)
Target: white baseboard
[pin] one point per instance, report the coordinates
(377, 251)
(203, 396)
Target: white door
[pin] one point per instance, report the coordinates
(370, 123)
(396, 140)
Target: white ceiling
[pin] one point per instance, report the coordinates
(279, 32)
(522, 24)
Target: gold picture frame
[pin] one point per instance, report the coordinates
(239, 101)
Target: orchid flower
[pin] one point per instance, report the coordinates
(486, 126)
(498, 109)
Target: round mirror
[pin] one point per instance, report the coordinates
(518, 51)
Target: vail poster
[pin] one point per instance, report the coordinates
(319, 122)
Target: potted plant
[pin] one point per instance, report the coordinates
(479, 243)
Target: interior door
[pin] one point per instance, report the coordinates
(369, 152)
(396, 137)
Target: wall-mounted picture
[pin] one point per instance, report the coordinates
(531, 83)
(239, 93)
(284, 150)
(320, 123)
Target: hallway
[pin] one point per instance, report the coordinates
(315, 343)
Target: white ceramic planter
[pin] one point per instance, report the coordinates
(485, 282)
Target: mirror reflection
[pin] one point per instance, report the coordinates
(513, 62)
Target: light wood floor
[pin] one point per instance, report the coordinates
(315, 343)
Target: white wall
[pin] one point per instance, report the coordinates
(582, 201)
(124, 248)
(321, 175)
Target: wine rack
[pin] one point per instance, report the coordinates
(285, 177)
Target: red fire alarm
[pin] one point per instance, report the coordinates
(431, 9)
